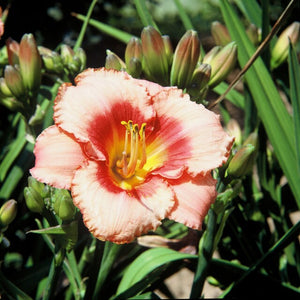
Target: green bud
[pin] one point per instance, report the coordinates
(243, 161)
(155, 63)
(113, 61)
(81, 56)
(8, 212)
(51, 60)
(134, 67)
(220, 34)
(11, 103)
(63, 205)
(30, 63)
(199, 80)
(34, 200)
(4, 89)
(280, 51)
(38, 186)
(234, 129)
(168, 48)
(14, 81)
(185, 59)
(12, 48)
(222, 64)
(66, 53)
(211, 54)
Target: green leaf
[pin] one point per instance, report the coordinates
(183, 15)
(275, 117)
(144, 14)
(107, 29)
(147, 262)
(294, 77)
(251, 10)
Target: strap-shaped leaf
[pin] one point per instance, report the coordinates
(277, 121)
(147, 262)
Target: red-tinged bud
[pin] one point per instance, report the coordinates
(253, 34)
(155, 61)
(220, 33)
(12, 48)
(185, 59)
(113, 61)
(14, 81)
(8, 212)
(222, 64)
(199, 80)
(133, 50)
(30, 63)
(280, 51)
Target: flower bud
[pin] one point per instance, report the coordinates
(211, 54)
(11, 103)
(12, 48)
(168, 48)
(66, 53)
(34, 200)
(133, 50)
(222, 63)
(253, 34)
(30, 62)
(199, 80)
(155, 62)
(14, 81)
(4, 89)
(8, 212)
(113, 61)
(81, 57)
(63, 205)
(185, 59)
(280, 51)
(234, 129)
(242, 162)
(38, 186)
(51, 60)
(220, 33)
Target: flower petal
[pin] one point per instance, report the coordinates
(191, 135)
(100, 98)
(57, 156)
(114, 214)
(195, 196)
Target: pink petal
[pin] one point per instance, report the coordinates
(101, 99)
(57, 156)
(114, 214)
(194, 196)
(190, 135)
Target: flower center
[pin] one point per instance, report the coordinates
(134, 154)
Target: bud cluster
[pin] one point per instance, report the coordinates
(152, 56)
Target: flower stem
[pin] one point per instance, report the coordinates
(206, 248)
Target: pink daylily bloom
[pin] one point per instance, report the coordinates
(132, 153)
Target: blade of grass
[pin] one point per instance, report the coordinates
(84, 25)
(183, 15)
(294, 77)
(144, 14)
(274, 115)
(107, 29)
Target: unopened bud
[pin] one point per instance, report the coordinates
(34, 200)
(51, 60)
(222, 64)
(155, 58)
(253, 34)
(14, 81)
(185, 59)
(30, 63)
(168, 48)
(8, 212)
(280, 51)
(81, 56)
(234, 130)
(4, 89)
(199, 80)
(66, 53)
(13, 49)
(133, 50)
(220, 33)
(209, 56)
(243, 161)
(63, 205)
(113, 61)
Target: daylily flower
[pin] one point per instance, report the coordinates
(132, 153)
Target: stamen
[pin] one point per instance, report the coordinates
(137, 139)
